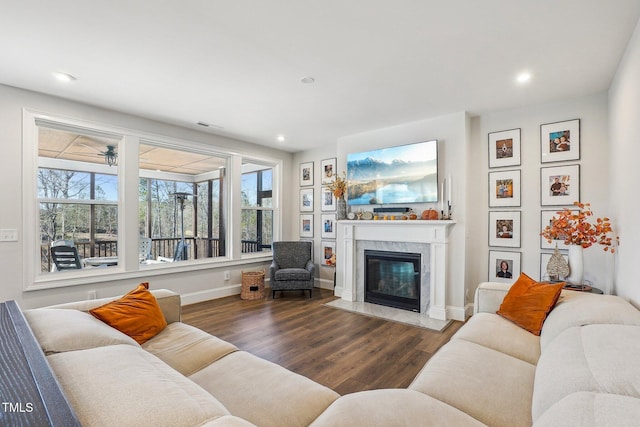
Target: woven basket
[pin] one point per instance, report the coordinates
(252, 285)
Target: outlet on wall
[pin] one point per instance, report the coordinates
(8, 235)
(92, 294)
(227, 275)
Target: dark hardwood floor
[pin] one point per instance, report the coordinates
(344, 351)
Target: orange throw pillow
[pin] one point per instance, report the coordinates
(136, 314)
(528, 303)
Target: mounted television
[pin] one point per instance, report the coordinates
(401, 174)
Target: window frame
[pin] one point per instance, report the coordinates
(128, 173)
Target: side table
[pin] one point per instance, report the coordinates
(584, 288)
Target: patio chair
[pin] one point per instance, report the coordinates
(65, 258)
(144, 248)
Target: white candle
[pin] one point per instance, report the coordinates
(449, 190)
(442, 196)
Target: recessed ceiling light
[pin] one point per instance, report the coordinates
(64, 77)
(280, 138)
(523, 77)
(307, 80)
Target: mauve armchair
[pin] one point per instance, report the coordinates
(292, 267)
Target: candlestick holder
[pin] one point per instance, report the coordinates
(449, 212)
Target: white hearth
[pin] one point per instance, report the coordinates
(429, 238)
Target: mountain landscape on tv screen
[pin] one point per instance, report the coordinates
(374, 181)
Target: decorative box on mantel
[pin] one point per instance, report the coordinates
(429, 238)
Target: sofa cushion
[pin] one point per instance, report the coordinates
(495, 332)
(136, 314)
(187, 349)
(293, 274)
(491, 386)
(587, 409)
(228, 421)
(123, 385)
(528, 302)
(262, 392)
(392, 407)
(59, 330)
(581, 308)
(597, 358)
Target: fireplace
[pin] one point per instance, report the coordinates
(392, 279)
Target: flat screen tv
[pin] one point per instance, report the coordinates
(401, 174)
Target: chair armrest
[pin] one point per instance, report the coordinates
(489, 296)
(310, 266)
(272, 270)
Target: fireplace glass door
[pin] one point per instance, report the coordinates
(393, 279)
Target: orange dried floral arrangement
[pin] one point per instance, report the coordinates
(339, 186)
(574, 228)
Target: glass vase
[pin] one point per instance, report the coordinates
(341, 209)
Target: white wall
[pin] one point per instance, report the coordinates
(623, 141)
(324, 275)
(594, 183)
(452, 133)
(196, 285)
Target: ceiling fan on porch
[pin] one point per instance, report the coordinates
(110, 154)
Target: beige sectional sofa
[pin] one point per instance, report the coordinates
(181, 377)
(584, 369)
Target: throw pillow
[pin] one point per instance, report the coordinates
(136, 314)
(528, 303)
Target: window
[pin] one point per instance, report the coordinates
(179, 194)
(257, 208)
(81, 187)
(77, 195)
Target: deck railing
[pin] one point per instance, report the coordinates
(197, 248)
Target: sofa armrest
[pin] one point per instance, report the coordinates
(169, 303)
(489, 296)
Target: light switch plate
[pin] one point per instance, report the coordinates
(8, 235)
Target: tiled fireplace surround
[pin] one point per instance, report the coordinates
(428, 238)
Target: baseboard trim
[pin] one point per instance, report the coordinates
(209, 294)
(459, 313)
(324, 284)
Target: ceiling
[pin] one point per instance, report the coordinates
(238, 64)
(71, 145)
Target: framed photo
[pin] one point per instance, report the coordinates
(328, 170)
(328, 249)
(545, 219)
(306, 174)
(560, 141)
(544, 260)
(559, 185)
(504, 188)
(306, 225)
(328, 226)
(504, 229)
(504, 266)
(306, 200)
(504, 148)
(328, 202)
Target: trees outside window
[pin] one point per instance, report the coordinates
(257, 208)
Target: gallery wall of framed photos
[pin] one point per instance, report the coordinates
(311, 200)
(559, 187)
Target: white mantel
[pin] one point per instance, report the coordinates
(433, 233)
